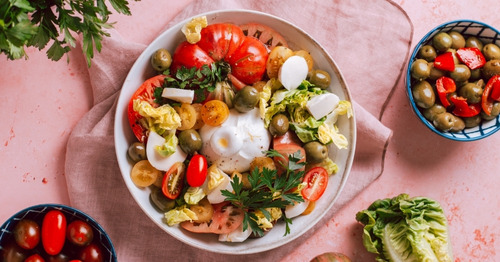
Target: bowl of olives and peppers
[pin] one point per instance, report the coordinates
(453, 80)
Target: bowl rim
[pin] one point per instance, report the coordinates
(352, 132)
(52, 206)
(408, 81)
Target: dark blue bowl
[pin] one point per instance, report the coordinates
(486, 34)
(37, 213)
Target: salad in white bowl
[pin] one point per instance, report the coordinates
(236, 133)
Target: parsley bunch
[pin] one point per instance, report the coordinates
(25, 23)
(268, 190)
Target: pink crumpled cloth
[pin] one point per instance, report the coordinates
(369, 40)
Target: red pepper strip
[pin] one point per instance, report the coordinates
(445, 86)
(445, 62)
(463, 109)
(495, 90)
(486, 100)
(471, 57)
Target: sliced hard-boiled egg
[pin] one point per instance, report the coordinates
(321, 105)
(215, 196)
(179, 95)
(297, 209)
(293, 71)
(156, 159)
(238, 235)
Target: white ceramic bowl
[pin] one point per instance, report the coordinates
(297, 39)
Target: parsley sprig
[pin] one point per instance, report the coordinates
(268, 190)
(37, 23)
(202, 80)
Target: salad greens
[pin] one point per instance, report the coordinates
(406, 229)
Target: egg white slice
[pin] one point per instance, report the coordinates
(297, 209)
(158, 161)
(237, 235)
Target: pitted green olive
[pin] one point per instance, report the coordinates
(420, 69)
(246, 99)
(161, 60)
(458, 40)
(432, 112)
(442, 41)
(423, 94)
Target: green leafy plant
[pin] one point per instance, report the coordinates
(38, 23)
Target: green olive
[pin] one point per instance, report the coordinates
(315, 152)
(432, 112)
(495, 111)
(458, 124)
(427, 52)
(472, 121)
(444, 121)
(423, 94)
(246, 99)
(161, 60)
(473, 41)
(190, 141)
(442, 41)
(458, 40)
(279, 125)
(435, 73)
(472, 91)
(159, 201)
(461, 73)
(420, 69)
(490, 69)
(320, 78)
(475, 74)
(491, 51)
(137, 151)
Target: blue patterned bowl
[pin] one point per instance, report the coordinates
(36, 213)
(486, 34)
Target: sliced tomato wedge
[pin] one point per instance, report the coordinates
(173, 180)
(265, 34)
(144, 93)
(225, 220)
(286, 145)
(316, 181)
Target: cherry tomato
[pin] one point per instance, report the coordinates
(226, 219)
(286, 145)
(143, 174)
(214, 112)
(61, 257)
(197, 170)
(247, 56)
(27, 233)
(34, 258)
(53, 232)
(145, 93)
(188, 115)
(173, 180)
(12, 252)
(204, 211)
(317, 180)
(79, 233)
(91, 253)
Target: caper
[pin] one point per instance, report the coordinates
(137, 151)
(320, 78)
(190, 141)
(161, 60)
(444, 121)
(420, 69)
(246, 99)
(315, 152)
(279, 125)
(458, 40)
(427, 52)
(423, 94)
(442, 41)
(159, 201)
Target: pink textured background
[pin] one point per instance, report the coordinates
(41, 101)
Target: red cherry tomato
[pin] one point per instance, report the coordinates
(79, 233)
(197, 170)
(91, 253)
(226, 219)
(247, 56)
(173, 180)
(27, 233)
(34, 258)
(10, 251)
(144, 93)
(317, 180)
(53, 232)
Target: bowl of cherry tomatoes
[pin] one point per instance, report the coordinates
(54, 232)
(453, 80)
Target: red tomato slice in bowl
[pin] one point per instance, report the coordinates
(144, 93)
(316, 182)
(265, 34)
(287, 144)
(225, 220)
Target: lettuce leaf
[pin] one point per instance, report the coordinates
(406, 229)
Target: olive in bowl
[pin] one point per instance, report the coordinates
(54, 232)
(451, 78)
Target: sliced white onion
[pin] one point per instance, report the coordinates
(293, 71)
(158, 161)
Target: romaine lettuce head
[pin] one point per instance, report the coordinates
(406, 229)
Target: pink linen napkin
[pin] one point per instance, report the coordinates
(369, 40)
